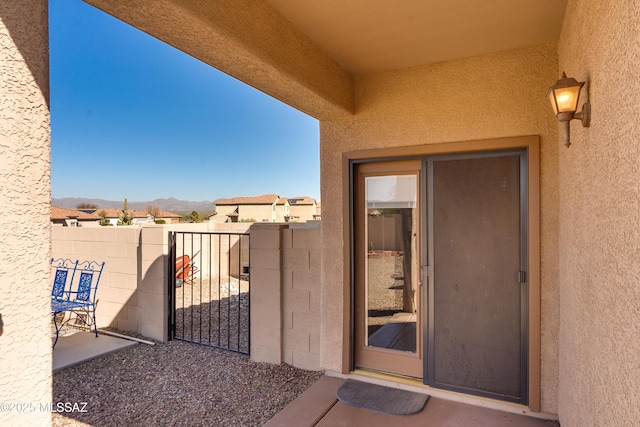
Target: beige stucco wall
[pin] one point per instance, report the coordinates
(221, 213)
(303, 212)
(259, 213)
(281, 211)
(600, 219)
(25, 344)
(490, 96)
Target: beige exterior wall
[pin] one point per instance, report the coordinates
(25, 286)
(491, 96)
(221, 213)
(282, 211)
(303, 212)
(261, 213)
(599, 219)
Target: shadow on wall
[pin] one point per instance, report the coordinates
(141, 305)
(32, 51)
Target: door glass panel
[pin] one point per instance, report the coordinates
(391, 263)
(477, 297)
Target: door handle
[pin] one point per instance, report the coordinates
(522, 276)
(425, 273)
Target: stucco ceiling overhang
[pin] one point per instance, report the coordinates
(370, 36)
(306, 53)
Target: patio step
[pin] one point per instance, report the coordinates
(311, 406)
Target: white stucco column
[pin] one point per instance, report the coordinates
(25, 342)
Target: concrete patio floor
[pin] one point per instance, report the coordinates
(318, 406)
(78, 347)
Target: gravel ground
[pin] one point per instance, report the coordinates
(215, 312)
(176, 384)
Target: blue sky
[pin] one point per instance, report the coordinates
(133, 117)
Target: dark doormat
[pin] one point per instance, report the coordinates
(380, 399)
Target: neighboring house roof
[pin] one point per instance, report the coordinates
(301, 200)
(265, 199)
(139, 213)
(116, 213)
(108, 212)
(58, 213)
(167, 214)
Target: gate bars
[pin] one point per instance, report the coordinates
(209, 289)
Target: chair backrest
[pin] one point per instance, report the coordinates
(63, 277)
(90, 272)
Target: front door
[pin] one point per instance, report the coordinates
(441, 290)
(388, 312)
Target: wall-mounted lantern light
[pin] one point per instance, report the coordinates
(564, 100)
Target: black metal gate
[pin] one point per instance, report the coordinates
(209, 298)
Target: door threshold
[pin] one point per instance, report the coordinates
(415, 384)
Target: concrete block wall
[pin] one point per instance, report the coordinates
(384, 233)
(149, 312)
(215, 254)
(132, 290)
(285, 294)
(231, 253)
(301, 297)
(266, 293)
(285, 283)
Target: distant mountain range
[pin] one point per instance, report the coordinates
(171, 204)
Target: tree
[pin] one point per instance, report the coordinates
(86, 206)
(104, 221)
(125, 218)
(154, 211)
(194, 217)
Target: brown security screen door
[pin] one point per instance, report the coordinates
(477, 287)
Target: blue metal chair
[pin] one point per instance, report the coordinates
(78, 298)
(63, 276)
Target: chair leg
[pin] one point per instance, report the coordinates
(55, 323)
(95, 325)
